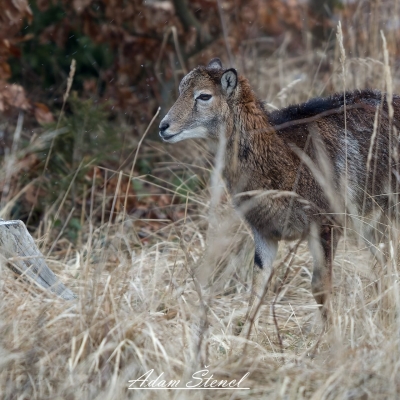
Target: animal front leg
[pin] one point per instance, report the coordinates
(264, 255)
(323, 244)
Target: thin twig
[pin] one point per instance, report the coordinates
(65, 98)
(264, 293)
(135, 158)
(225, 32)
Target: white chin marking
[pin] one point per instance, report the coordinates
(194, 133)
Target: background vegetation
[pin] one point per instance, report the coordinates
(162, 277)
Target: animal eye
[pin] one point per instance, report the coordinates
(204, 97)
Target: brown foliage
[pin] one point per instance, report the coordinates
(134, 31)
(11, 19)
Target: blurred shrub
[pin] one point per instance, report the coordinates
(12, 17)
(128, 56)
(117, 44)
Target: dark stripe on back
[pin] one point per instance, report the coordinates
(318, 105)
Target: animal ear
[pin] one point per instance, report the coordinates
(215, 63)
(229, 81)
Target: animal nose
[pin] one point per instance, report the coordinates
(163, 127)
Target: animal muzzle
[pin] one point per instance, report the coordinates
(163, 130)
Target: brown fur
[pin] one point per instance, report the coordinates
(273, 160)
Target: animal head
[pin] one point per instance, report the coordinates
(203, 103)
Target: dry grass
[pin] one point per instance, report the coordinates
(175, 304)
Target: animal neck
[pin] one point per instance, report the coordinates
(249, 135)
(251, 118)
(253, 148)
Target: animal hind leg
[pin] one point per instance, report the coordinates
(323, 243)
(264, 255)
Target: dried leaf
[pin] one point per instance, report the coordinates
(12, 95)
(5, 71)
(42, 114)
(80, 5)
